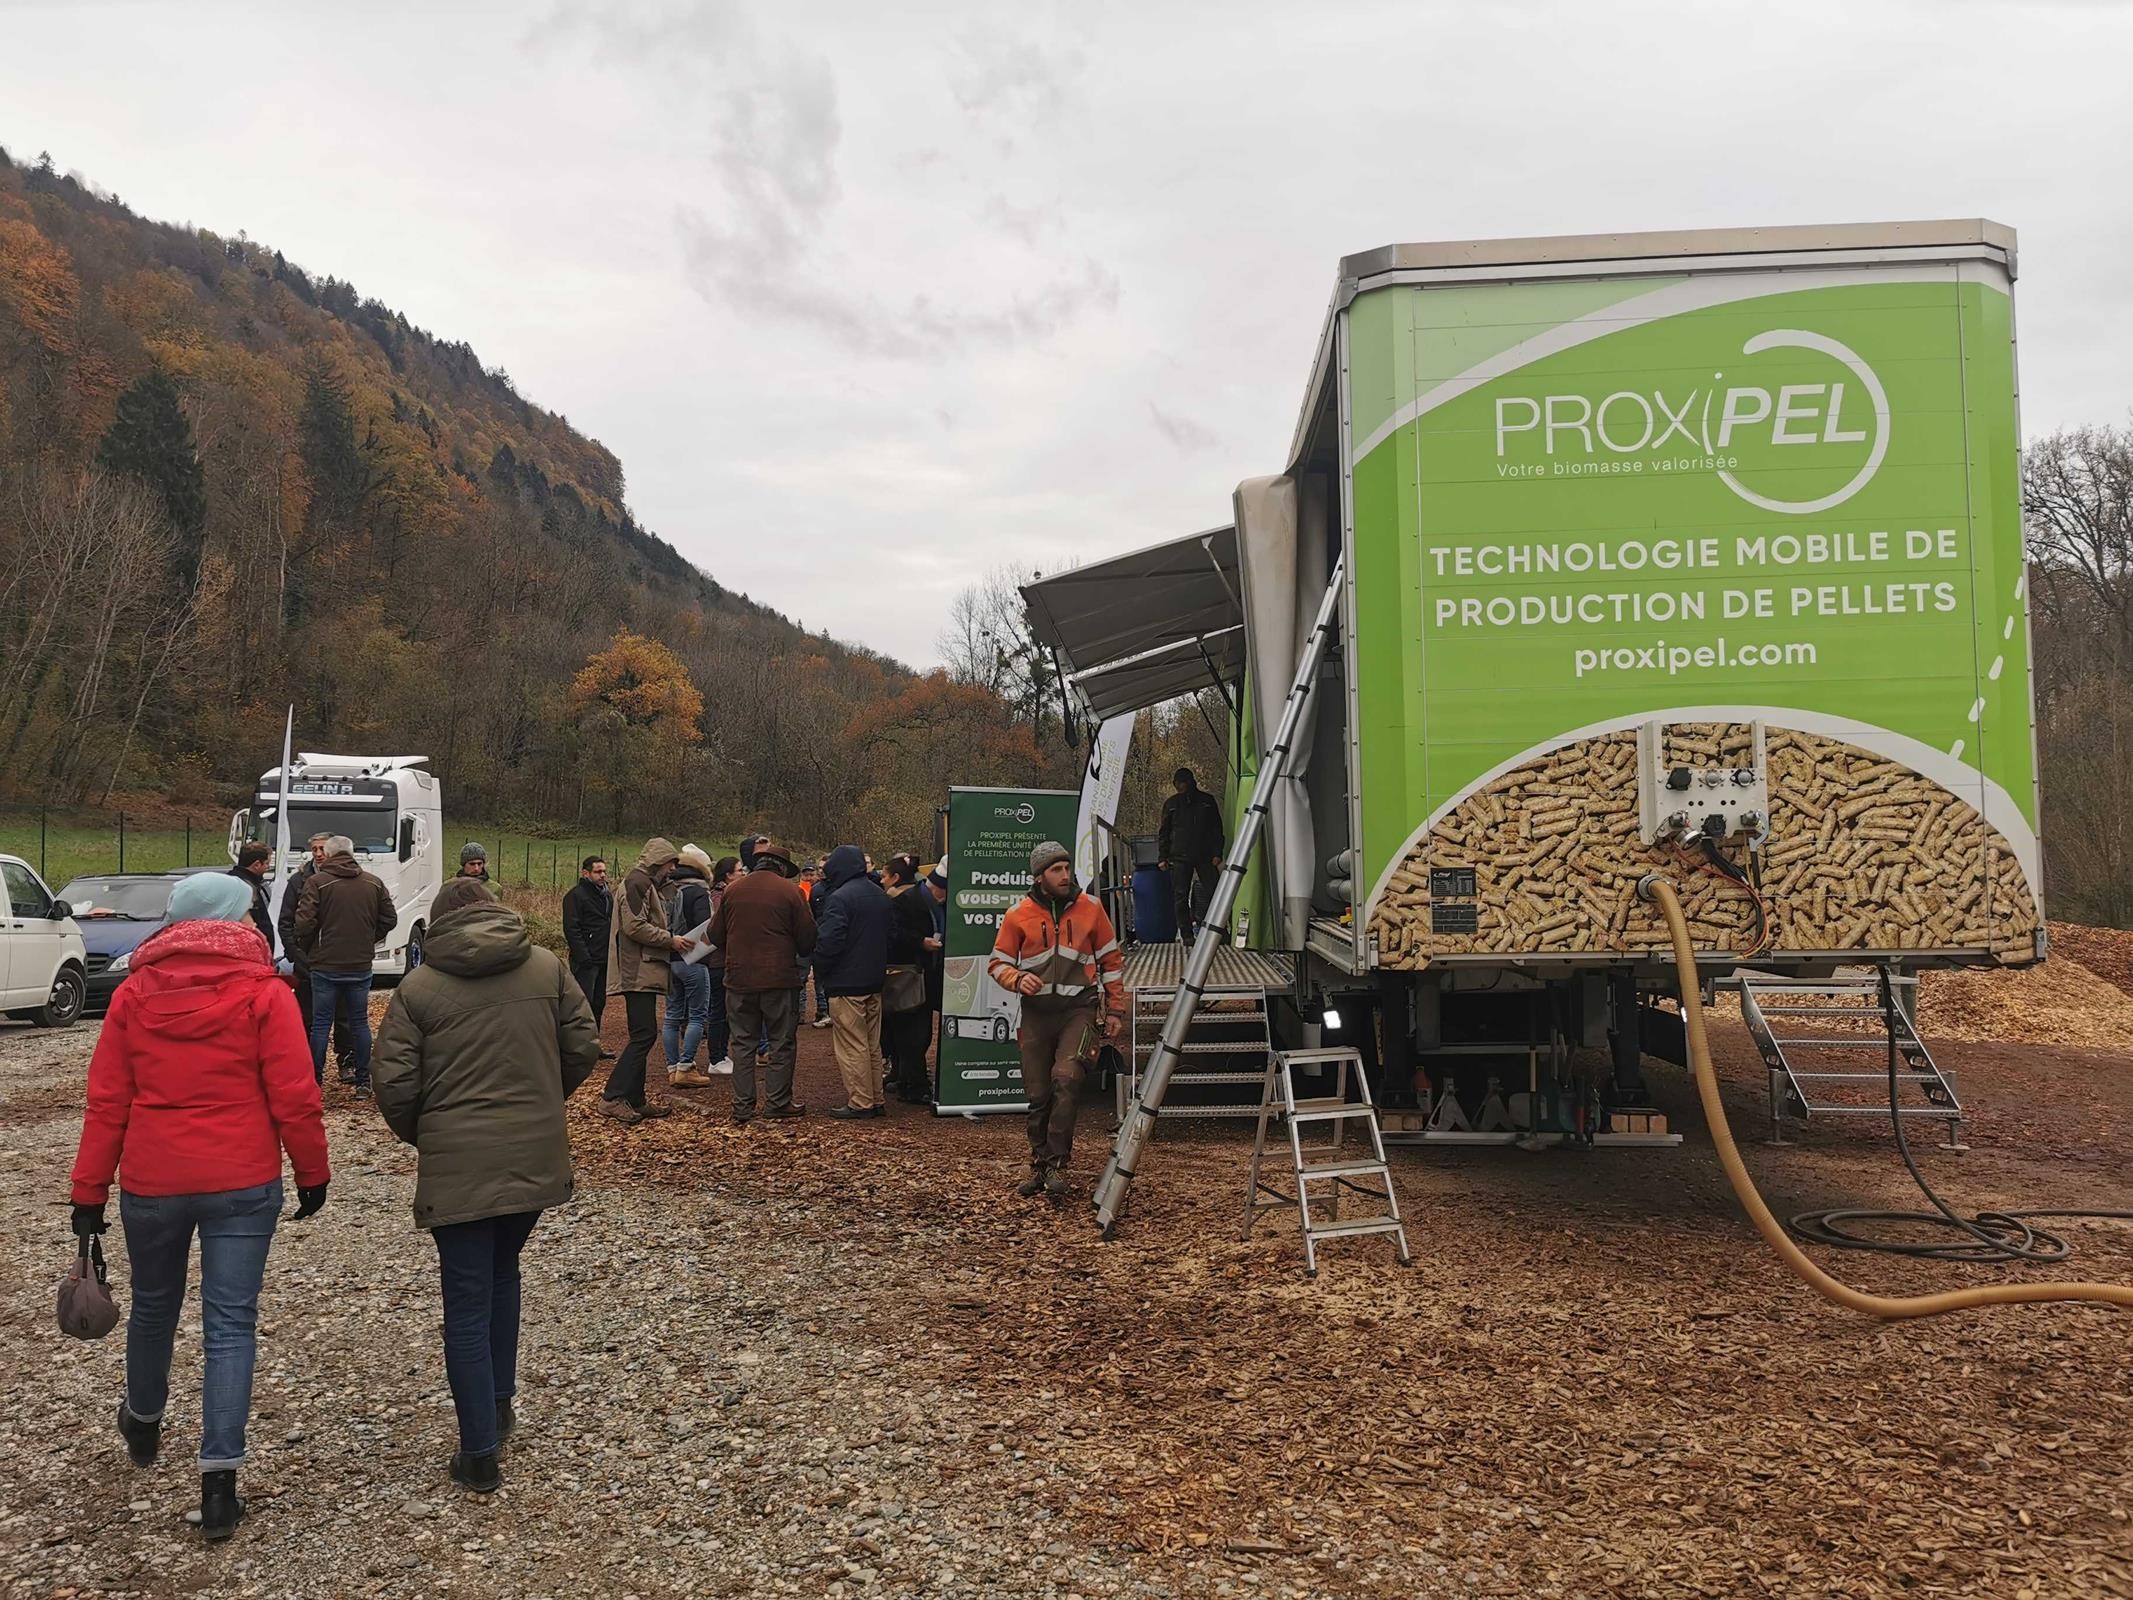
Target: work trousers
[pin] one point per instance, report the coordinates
(235, 1226)
(1053, 1071)
(855, 1036)
(477, 1267)
(1191, 887)
(626, 1082)
(909, 1034)
(774, 1016)
(592, 983)
(717, 1039)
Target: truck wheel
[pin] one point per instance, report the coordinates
(64, 1007)
(412, 957)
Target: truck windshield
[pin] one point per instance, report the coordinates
(371, 829)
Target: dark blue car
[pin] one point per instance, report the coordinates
(116, 913)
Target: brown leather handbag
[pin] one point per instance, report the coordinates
(86, 1309)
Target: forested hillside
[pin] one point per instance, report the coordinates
(227, 484)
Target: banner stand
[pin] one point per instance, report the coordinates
(991, 833)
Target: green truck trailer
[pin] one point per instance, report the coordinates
(1696, 552)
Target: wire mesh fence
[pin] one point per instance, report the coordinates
(64, 843)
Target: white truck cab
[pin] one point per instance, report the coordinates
(43, 968)
(390, 807)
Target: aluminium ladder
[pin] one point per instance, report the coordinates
(1809, 1070)
(1330, 1163)
(1138, 1123)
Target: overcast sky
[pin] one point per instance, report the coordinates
(871, 299)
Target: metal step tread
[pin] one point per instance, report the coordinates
(1344, 1169)
(1951, 1109)
(1872, 1077)
(1881, 1043)
(1336, 1230)
(1820, 986)
(1327, 1110)
(1821, 1011)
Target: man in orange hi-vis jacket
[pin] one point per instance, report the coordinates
(1057, 950)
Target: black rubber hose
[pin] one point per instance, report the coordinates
(1987, 1236)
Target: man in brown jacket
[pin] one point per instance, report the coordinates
(764, 929)
(343, 917)
(640, 946)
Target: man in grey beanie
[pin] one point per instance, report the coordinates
(474, 862)
(1057, 950)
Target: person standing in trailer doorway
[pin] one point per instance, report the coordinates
(1190, 842)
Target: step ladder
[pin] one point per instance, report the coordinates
(1364, 1174)
(1808, 1072)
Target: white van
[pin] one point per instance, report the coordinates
(43, 968)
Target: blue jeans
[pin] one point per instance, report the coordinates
(688, 1002)
(235, 1228)
(335, 995)
(477, 1262)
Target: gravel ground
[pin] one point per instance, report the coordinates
(845, 1360)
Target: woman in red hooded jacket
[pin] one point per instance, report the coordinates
(201, 1078)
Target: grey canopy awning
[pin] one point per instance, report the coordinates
(1146, 627)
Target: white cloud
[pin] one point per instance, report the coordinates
(872, 300)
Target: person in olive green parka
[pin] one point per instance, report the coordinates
(479, 1049)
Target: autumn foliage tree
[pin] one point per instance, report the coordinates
(640, 717)
(228, 484)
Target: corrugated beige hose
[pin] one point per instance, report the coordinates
(1892, 1307)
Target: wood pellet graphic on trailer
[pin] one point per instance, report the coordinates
(1860, 851)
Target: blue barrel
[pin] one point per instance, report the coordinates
(1155, 914)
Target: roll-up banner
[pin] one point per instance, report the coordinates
(991, 833)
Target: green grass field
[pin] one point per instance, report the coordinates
(73, 848)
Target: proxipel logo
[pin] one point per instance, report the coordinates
(1024, 813)
(1631, 422)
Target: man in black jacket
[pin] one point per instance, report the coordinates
(285, 934)
(253, 860)
(588, 910)
(851, 965)
(1190, 842)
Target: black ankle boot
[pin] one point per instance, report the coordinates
(476, 1472)
(219, 1506)
(143, 1439)
(506, 1420)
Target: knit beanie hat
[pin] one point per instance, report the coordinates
(1045, 854)
(211, 897)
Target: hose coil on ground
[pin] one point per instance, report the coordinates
(1984, 1230)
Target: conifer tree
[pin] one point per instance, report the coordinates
(150, 439)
